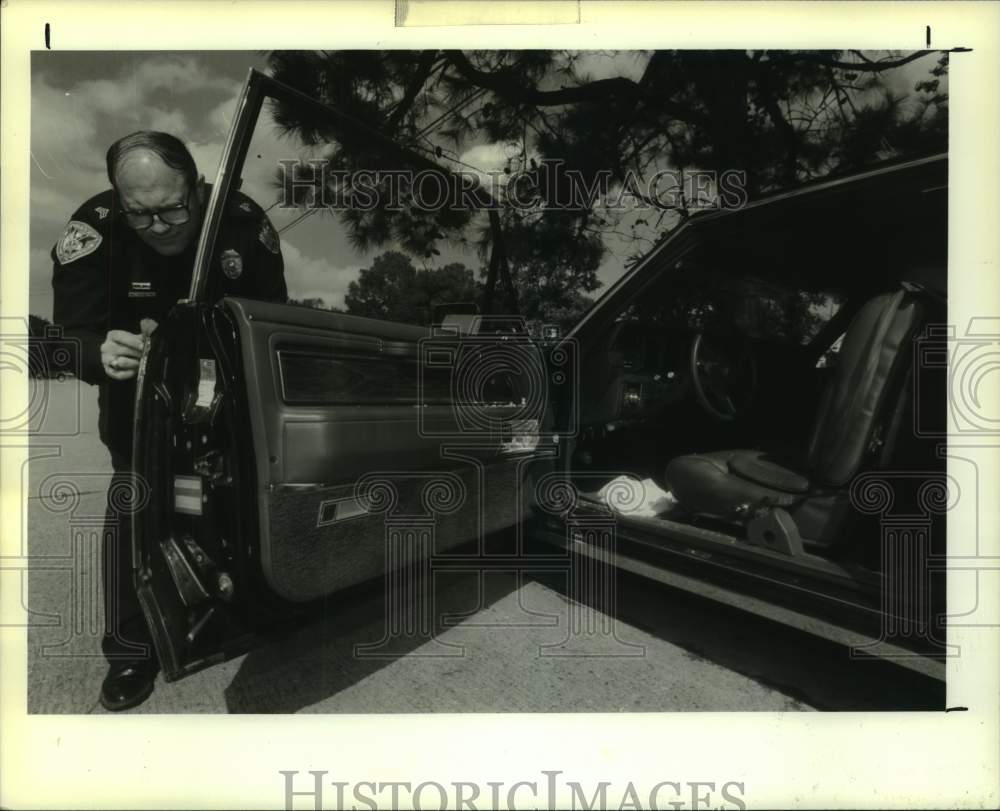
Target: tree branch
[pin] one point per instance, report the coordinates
(855, 67)
(508, 88)
(412, 89)
(769, 102)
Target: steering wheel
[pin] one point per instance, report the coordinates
(724, 374)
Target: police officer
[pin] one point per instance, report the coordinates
(125, 258)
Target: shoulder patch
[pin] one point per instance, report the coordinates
(78, 240)
(269, 236)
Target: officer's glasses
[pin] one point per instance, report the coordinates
(170, 215)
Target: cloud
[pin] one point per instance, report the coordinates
(308, 277)
(595, 65)
(178, 74)
(206, 158)
(489, 161)
(63, 129)
(68, 117)
(104, 97)
(207, 150)
(168, 121)
(220, 120)
(73, 122)
(490, 157)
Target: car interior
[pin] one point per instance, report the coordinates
(748, 381)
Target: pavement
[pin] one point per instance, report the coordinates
(515, 644)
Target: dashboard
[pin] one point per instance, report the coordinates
(642, 370)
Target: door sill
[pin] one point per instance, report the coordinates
(862, 645)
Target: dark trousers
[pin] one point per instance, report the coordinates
(126, 635)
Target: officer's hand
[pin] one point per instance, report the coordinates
(120, 354)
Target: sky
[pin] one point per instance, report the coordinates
(83, 101)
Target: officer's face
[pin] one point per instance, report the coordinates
(146, 183)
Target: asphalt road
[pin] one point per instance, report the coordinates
(508, 646)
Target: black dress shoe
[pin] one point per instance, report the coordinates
(128, 685)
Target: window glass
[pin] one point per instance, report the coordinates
(696, 296)
(341, 252)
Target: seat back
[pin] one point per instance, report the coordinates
(873, 357)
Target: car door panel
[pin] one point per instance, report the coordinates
(263, 498)
(319, 541)
(296, 452)
(350, 455)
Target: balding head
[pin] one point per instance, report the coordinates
(142, 172)
(169, 149)
(146, 181)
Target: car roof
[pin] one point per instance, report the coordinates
(858, 233)
(900, 173)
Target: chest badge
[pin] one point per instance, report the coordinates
(232, 264)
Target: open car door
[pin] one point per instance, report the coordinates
(293, 452)
(748, 472)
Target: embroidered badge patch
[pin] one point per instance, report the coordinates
(102, 212)
(269, 237)
(79, 239)
(245, 206)
(232, 264)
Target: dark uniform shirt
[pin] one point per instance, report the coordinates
(105, 277)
